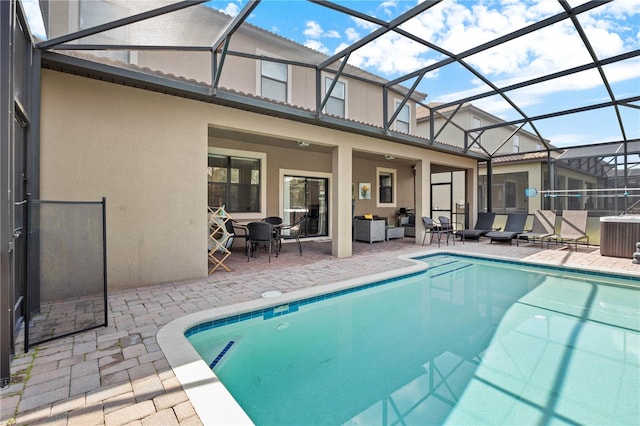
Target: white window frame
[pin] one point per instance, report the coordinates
(396, 104)
(516, 143)
(306, 173)
(262, 156)
(325, 87)
(394, 186)
(261, 52)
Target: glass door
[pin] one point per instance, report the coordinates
(306, 196)
(448, 197)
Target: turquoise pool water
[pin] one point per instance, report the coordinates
(470, 341)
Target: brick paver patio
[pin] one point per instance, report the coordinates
(118, 375)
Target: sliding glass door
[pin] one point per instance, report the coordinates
(306, 196)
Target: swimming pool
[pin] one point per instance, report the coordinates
(467, 341)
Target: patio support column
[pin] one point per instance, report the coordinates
(423, 196)
(489, 184)
(552, 183)
(342, 173)
(471, 192)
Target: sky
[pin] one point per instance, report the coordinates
(456, 26)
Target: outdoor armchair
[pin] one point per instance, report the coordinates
(369, 230)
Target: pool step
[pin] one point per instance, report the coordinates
(221, 354)
(448, 268)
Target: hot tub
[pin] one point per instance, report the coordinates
(619, 235)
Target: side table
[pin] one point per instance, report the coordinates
(395, 232)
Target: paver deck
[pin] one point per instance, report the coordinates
(118, 375)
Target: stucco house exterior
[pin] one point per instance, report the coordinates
(161, 160)
(518, 162)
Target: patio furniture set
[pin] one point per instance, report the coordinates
(269, 232)
(371, 228)
(573, 228)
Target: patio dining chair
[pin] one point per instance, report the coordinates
(261, 233)
(429, 226)
(276, 222)
(292, 232)
(445, 226)
(432, 228)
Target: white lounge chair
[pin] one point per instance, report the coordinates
(572, 229)
(544, 225)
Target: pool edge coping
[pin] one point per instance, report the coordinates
(202, 385)
(198, 380)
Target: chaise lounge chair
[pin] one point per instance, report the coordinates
(483, 225)
(514, 227)
(544, 225)
(573, 228)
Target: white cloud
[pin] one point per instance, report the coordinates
(365, 25)
(352, 34)
(313, 30)
(563, 140)
(533, 95)
(456, 27)
(232, 9)
(390, 54)
(387, 6)
(316, 45)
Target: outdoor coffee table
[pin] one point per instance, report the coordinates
(395, 232)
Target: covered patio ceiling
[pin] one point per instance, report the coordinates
(617, 105)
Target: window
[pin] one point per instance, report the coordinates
(234, 182)
(403, 119)
(510, 196)
(476, 123)
(516, 143)
(507, 192)
(273, 80)
(386, 187)
(574, 201)
(336, 103)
